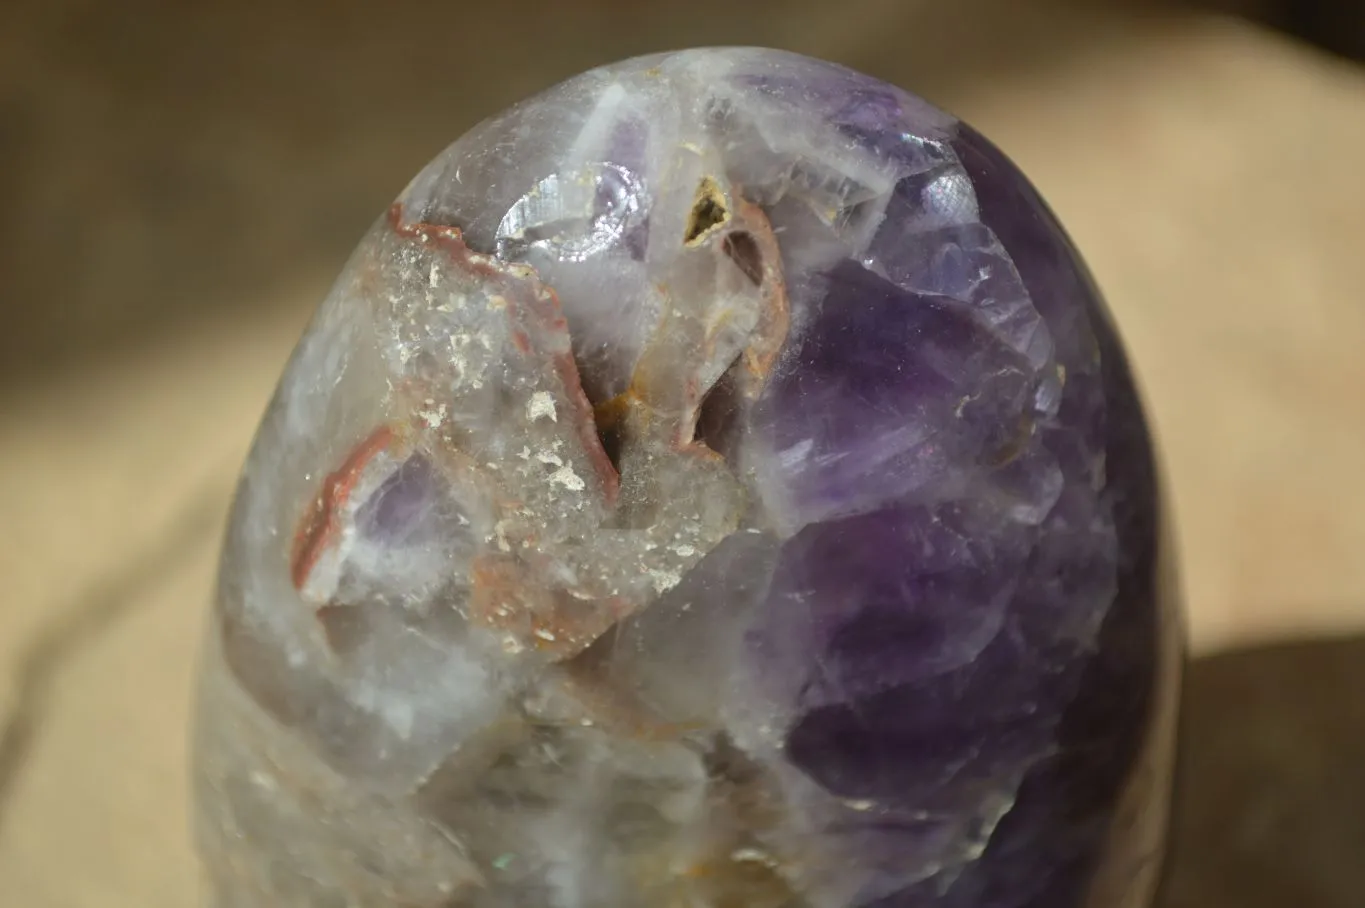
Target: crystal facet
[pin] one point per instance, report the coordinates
(714, 482)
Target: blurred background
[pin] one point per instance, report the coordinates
(181, 180)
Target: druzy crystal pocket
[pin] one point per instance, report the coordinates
(714, 482)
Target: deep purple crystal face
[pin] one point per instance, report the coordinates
(716, 482)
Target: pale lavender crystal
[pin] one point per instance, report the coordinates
(715, 482)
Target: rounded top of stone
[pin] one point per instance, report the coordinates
(724, 440)
(734, 101)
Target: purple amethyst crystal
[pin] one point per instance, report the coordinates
(715, 483)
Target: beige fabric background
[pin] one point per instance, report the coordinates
(181, 181)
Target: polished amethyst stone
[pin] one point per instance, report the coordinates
(715, 483)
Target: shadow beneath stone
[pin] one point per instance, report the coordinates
(1271, 793)
(83, 620)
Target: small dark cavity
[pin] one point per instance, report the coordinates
(725, 761)
(741, 782)
(346, 627)
(709, 212)
(1013, 444)
(611, 444)
(597, 368)
(720, 111)
(718, 415)
(742, 249)
(609, 420)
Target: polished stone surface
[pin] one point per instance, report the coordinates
(715, 480)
